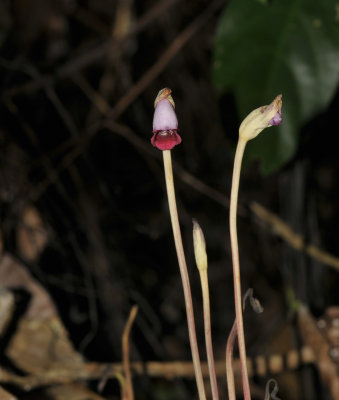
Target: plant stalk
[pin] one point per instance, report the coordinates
(229, 362)
(208, 334)
(236, 265)
(183, 272)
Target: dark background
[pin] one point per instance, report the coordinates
(78, 82)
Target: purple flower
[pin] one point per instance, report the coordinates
(165, 122)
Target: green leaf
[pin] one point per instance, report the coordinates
(263, 48)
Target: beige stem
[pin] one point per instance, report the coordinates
(229, 362)
(183, 272)
(208, 333)
(236, 265)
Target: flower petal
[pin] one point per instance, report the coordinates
(164, 117)
(165, 140)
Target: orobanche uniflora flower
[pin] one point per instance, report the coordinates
(165, 137)
(165, 122)
(251, 126)
(261, 118)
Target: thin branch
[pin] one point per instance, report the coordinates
(78, 146)
(154, 369)
(90, 56)
(176, 46)
(285, 232)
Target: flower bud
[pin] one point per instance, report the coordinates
(199, 247)
(261, 118)
(165, 122)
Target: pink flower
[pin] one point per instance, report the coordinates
(165, 122)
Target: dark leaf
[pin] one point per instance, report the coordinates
(266, 48)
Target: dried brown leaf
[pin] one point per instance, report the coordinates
(4, 395)
(14, 275)
(321, 348)
(73, 391)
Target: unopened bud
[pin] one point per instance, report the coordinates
(261, 118)
(199, 246)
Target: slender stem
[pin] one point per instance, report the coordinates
(236, 266)
(229, 362)
(128, 392)
(208, 334)
(183, 272)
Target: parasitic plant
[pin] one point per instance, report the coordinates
(165, 137)
(251, 126)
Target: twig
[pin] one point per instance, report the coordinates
(280, 228)
(124, 102)
(163, 61)
(89, 56)
(168, 370)
(62, 111)
(125, 354)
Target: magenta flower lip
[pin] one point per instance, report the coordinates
(165, 122)
(165, 140)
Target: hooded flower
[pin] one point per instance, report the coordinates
(261, 118)
(165, 122)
